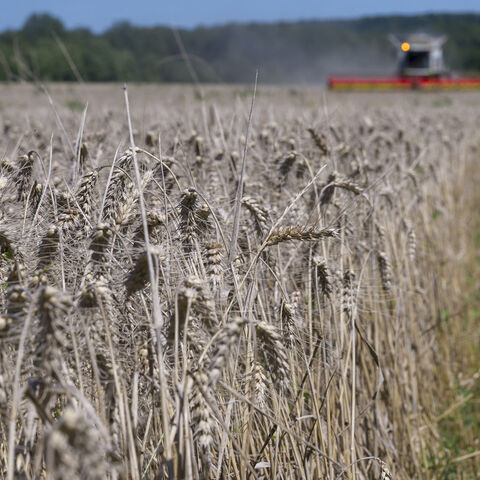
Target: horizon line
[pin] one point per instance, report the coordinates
(240, 22)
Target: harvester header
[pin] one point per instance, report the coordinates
(420, 65)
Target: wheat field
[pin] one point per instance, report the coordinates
(199, 286)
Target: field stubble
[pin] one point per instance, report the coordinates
(340, 341)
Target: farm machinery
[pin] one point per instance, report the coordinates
(420, 65)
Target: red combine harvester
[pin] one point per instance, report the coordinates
(420, 66)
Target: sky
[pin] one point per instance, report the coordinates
(101, 14)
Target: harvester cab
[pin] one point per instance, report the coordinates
(420, 56)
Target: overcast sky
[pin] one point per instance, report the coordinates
(100, 14)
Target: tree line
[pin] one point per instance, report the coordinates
(284, 52)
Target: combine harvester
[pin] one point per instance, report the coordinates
(420, 66)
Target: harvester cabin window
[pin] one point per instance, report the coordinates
(417, 59)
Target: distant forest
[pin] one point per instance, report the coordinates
(295, 52)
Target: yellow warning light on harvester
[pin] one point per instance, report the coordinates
(405, 46)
